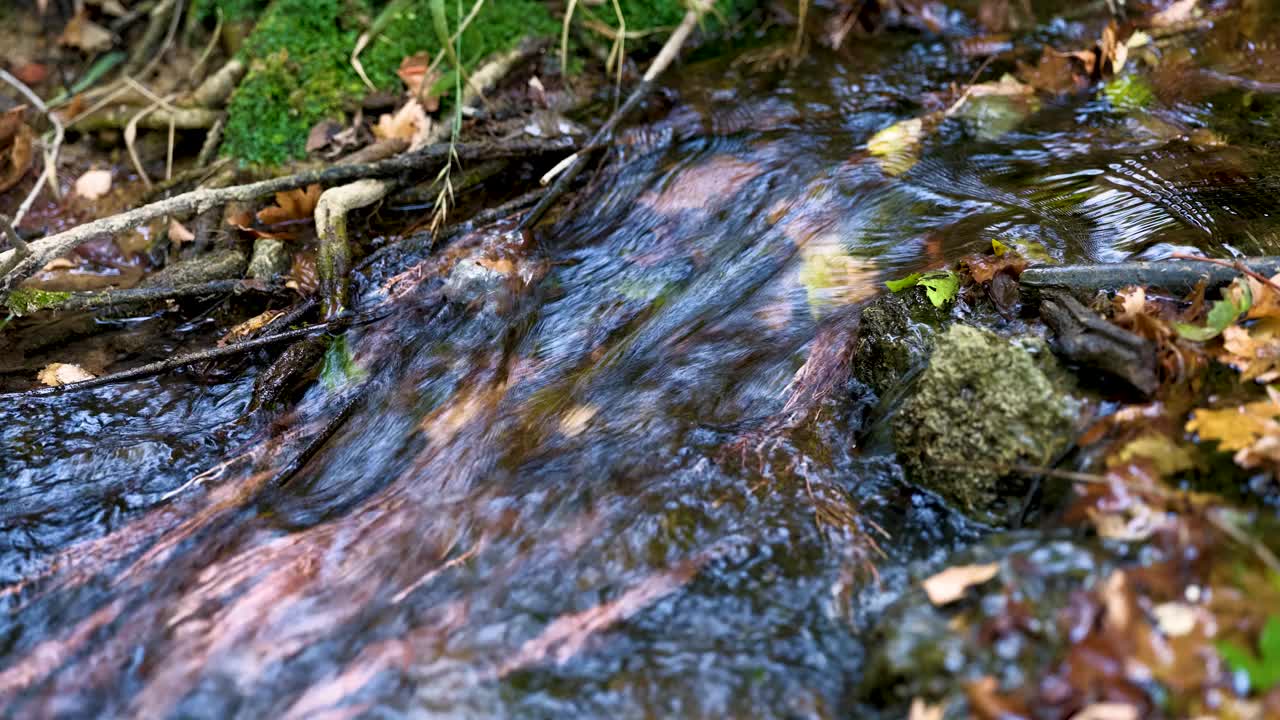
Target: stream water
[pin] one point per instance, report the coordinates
(562, 477)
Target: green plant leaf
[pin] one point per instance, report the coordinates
(1263, 670)
(940, 287)
(904, 283)
(1221, 316)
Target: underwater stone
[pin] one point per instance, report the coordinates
(896, 333)
(984, 401)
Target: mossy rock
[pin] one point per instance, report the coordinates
(984, 401)
(217, 265)
(895, 336)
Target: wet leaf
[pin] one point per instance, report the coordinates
(904, 283)
(1166, 456)
(1128, 93)
(940, 287)
(897, 147)
(292, 205)
(1254, 351)
(950, 584)
(1263, 669)
(56, 374)
(1223, 314)
(1238, 427)
(93, 184)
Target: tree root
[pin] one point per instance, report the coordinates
(163, 366)
(335, 247)
(197, 201)
(134, 296)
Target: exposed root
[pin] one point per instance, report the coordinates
(335, 247)
(198, 201)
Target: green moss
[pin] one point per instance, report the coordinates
(232, 10)
(983, 401)
(498, 27)
(298, 75)
(24, 300)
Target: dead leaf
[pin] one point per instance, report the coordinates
(414, 73)
(17, 147)
(178, 233)
(93, 184)
(1108, 711)
(81, 32)
(303, 275)
(32, 73)
(1179, 12)
(409, 123)
(1254, 351)
(321, 134)
(921, 710)
(950, 584)
(291, 205)
(1250, 430)
(249, 328)
(55, 374)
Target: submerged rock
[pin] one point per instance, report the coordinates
(897, 333)
(984, 401)
(1009, 628)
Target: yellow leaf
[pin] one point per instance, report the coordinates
(1235, 428)
(1167, 456)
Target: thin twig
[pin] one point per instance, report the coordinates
(49, 174)
(666, 56)
(1235, 265)
(163, 366)
(201, 200)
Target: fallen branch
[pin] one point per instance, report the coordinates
(133, 296)
(163, 366)
(577, 161)
(198, 201)
(1176, 276)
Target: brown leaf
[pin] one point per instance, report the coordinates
(414, 73)
(322, 134)
(93, 184)
(950, 584)
(55, 374)
(303, 276)
(1254, 351)
(297, 204)
(1057, 73)
(81, 32)
(16, 150)
(408, 123)
(32, 73)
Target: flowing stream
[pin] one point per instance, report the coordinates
(576, 474)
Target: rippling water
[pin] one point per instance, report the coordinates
(606, 470)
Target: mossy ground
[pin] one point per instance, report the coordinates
(299, 55)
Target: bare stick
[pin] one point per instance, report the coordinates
(113, 298)
(50, 150)
(201, 200)
(666, 56)
(162, 366)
